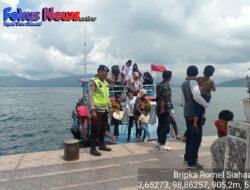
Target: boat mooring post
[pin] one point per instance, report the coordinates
(71, 150)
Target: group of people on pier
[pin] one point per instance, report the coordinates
(196, 95)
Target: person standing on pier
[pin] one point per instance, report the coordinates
(99, 105)
(164, 109)
(191, 95)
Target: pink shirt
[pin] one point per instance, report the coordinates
(82, 111)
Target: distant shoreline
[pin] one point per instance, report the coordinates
(81, 87)
(73, 81)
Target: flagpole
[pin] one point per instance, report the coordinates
(85, 84)
(85, 54)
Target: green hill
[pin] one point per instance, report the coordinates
(15, 81)
(72, 81)
(234, 83)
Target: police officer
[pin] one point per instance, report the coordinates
(99, 104)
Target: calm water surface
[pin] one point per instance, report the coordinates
(39, 119)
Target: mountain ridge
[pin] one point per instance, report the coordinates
(73, 81)
(233, 83)
(16, 81)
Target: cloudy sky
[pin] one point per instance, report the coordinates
(174, 33)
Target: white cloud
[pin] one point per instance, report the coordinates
(175, 33)
(242, 21)
(233, 70)
(62, 62)
(12, 3)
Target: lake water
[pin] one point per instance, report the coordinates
(39, 119)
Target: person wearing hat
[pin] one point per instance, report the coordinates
(84, 119)
(99, 105)
(83, 113)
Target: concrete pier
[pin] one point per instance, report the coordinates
(113, 170)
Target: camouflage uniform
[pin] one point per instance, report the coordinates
(163, 93)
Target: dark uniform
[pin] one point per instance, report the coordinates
(163, 93)
(99, 103)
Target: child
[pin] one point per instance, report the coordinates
(116, 111)
(84, 117)
(143, 123)
(84, 122)
(108, 134)
(224, 117)
(206, 86)
(218, 148)
(140, 104)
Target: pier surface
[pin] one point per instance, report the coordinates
(113, 170)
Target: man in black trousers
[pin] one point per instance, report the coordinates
(191, 95)
(164, 109)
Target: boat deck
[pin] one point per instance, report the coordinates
(113, 170)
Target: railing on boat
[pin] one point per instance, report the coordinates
(122, 89)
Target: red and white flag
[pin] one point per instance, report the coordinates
(159, 68)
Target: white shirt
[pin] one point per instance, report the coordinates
(144, 119)
(127, 71)
(130, 105)
(196, 94)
